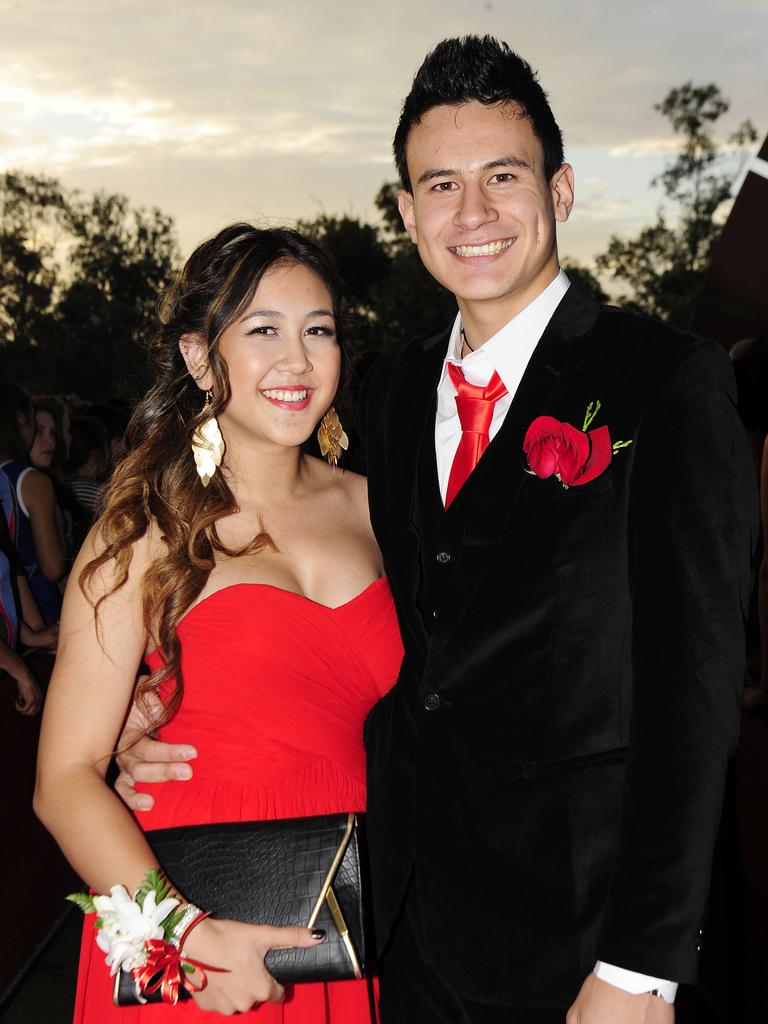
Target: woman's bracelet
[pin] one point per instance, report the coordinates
(191, 917)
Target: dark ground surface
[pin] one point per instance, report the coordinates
(46, 993)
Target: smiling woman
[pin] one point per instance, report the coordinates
(282, 355)
(253, 592)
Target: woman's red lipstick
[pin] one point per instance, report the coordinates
(278, 397)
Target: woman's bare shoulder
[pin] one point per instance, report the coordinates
(134, 558)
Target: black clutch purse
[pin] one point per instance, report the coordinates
(296, 871)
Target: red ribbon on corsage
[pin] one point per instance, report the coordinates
(164, 971)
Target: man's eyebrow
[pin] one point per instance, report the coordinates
(446, 172)
(436, 172)
(507, 161)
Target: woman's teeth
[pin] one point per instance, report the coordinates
(286, 396)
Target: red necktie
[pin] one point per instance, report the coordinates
(475, 407)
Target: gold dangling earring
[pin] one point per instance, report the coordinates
(207, 445)
(331, 437)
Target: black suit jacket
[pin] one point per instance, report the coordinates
(551, 760)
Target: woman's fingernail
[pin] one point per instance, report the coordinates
(187, 753)
(144, 803)
(183, 771)
(318, 933)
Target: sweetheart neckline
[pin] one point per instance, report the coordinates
(289, 593)
(280, 590)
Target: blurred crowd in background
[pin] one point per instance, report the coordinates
(56, 453)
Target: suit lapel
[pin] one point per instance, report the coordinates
(552, 367)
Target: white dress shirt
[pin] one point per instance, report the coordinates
(508, 352)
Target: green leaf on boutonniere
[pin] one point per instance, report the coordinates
(83, 901)
(592, 410)
(620, 444)
(187, 968)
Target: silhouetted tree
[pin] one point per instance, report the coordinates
(79, 280)
(584, 277)
(121, 259)
(413, 303)
(393, 298)
(31, 215)
(664, 266)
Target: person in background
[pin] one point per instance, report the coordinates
(28, 695)
(49, 450)
(762, 584)
(750, 367)
(17, 607)
(114, 415)
(33, 524)
(49, 454)
(89, 460)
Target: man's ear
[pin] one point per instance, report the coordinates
(194, 352)
(562, 192)
(405, 206)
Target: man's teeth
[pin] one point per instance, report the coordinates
(286, 396)
(489, 249)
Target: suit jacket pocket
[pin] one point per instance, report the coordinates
(557, 766)
(536, 489)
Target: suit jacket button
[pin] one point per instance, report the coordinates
(432, 701)
(443, 557)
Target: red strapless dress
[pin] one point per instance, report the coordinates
(276, 690)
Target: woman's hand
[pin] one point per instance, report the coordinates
(241, 948)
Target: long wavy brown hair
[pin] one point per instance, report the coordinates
(156, 482)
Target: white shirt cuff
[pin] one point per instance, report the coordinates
(634, 983)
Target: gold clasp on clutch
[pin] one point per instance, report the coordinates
(328, 896)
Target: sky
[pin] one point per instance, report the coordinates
(243, 109)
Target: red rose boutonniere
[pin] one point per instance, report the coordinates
(573, 456)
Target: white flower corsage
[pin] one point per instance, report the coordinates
(144, 933)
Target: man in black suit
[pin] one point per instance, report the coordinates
(564, 502)
(546, 778)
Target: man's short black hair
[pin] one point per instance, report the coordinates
(484, 69)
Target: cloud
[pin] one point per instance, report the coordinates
(638, 149)
(197, 107)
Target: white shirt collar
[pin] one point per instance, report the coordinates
(510, 349)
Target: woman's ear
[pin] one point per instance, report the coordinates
(194, 352)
